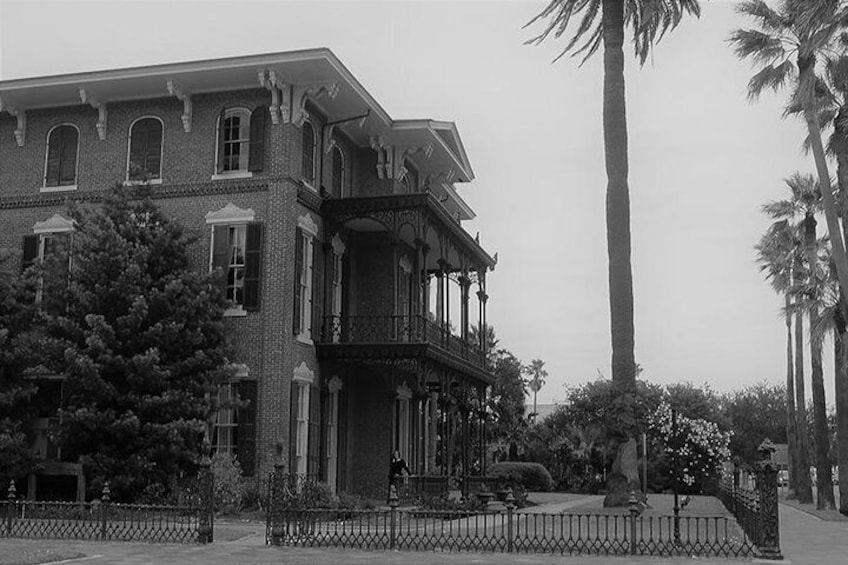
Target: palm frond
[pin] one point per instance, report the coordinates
(779, 209)
(770, 77)
(765, 16)
(760, 46)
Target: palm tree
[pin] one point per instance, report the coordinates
(806, 203)
(537, 373)
(777, 252)
(604, 21)
(788, 45)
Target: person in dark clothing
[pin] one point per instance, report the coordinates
(396, 469)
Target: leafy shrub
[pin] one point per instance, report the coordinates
(226, 472)
(452, 508)
(530, 476)
(254, 493)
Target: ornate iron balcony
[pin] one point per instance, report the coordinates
(381, 330)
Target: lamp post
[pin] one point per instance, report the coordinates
(674, 447)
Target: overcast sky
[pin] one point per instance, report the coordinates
(702, 159)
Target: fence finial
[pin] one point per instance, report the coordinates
(11, 495)
(634, 504)
(509, 499)
(104, 496)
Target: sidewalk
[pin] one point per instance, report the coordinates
(805, 539)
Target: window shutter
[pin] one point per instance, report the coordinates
(219, 167)
(308, 148)
(54, 154)
(246, 418)
(30, 251)
(221, 252)
(315, 330)
(314, 450)
(256, 154)
(298, 270)
(68, 159)
(252, 267)
(293, 430)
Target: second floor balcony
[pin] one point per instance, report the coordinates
(365, 336)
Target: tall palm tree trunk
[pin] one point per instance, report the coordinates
(625, 476)
(824, 481)
(791, 426)
(840, 357)
(805, 489)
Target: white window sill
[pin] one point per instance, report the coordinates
(304, 339)
(308, 185)
(63, 188)
(141, 182)
(235, 313)
(233, 175)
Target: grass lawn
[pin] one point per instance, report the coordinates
(32, 552)
(829, 515)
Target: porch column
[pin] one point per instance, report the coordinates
(432, 431)
(482, 297)
(465, 286)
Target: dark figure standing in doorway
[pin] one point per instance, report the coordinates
(396, 469)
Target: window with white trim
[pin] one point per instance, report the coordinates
(304, 258)
(50, 245)
(302, 437)
(237, 250)
(305, 421)
(224, 431)
(401, 423)
(236, 138)
(240, 149)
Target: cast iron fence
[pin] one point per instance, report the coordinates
(756, 510)
(105, 520)
(292, 523)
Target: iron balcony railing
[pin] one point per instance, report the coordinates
(398, 329)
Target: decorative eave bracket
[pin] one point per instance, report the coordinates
(378, 144)
(102, 114)
(20, 115)
(398, 167)
(330, 129)
(185, 97)
(303, 92)
(280, 107)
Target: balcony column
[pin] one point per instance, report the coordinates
(482, 298)
(465, 286)
(432, 431)
(443, 299)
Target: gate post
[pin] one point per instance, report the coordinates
(104, 504)
(509, 502)
(769, 538)
(276, 515)
(634, 512)
(393, 504)
(11, 507)
(206, 525)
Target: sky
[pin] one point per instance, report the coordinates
(703, 159)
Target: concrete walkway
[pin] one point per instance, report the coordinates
(808, 540)
(805, 539)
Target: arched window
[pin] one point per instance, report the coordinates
(145, 153)
(338, 172)
(308, 147)
(233, 140)
(405, 184)
(61, 166)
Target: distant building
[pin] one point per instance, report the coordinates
(339, 229)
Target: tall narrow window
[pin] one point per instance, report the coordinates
(401, 424)
(236, 139)
(145, 156)
(237, 251)
(308, 155)
(224, 438)
(303, 283)
(61, 166)
(338, 172)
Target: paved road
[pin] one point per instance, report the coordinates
(805, 540)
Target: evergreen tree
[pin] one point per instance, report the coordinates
(141, 343)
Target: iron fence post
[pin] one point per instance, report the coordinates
(634, 512)
(11, 507)
(509, 503)
(769, 526)
(206, 525)
(393, 504)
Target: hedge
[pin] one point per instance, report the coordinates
(531, 476)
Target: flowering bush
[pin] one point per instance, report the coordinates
(700, 445)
